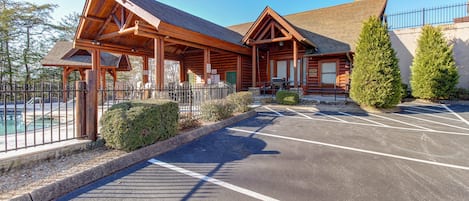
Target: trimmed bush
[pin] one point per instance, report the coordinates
(241, 101)
(131, 125)
(188, 121)
(434, 72)
(216, 110)
(287, 98)
(376, 79)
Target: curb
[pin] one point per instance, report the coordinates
(61, 187)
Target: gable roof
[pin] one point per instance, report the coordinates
(185, 20)
(270, 13)
(333, 29)
(63, 54)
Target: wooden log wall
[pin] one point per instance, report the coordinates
(314, 80)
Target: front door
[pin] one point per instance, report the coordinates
(231, 78)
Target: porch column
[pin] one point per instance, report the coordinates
(65, 74)
(295, 63)
(238, 73)
(92, 96)
(254, 65)
(145, 70)
(159, 62)
(206, 64)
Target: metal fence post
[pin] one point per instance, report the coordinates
(80, 114)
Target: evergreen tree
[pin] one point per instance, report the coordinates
(376, 80)
(434, 72)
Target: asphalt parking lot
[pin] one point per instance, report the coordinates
(300, 153)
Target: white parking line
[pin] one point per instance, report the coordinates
(435, 122)
(212, 180)
(270, 109)
(427, 109)
(298, 113)
(431, 115)
(326, 115)
(374, 125)
(364, 119)
(354, 149)
(456, 114)
(395, 120)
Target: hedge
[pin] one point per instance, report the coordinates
(241, 101)
(216, 110)
(131, 125)
(287, 98)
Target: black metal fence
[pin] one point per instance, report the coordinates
(45, 113)
(189, 98)
(35, 114)
(427, 16)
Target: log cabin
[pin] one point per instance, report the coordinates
(312, 50)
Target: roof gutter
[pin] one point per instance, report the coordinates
(347, 53)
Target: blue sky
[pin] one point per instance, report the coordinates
(234, 12)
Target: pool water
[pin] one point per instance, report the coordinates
(10, 124)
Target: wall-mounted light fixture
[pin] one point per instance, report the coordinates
(95, 42)
(133, 50)
(280, 43)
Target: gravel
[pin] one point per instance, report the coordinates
(25, 180)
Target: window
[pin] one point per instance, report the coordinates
(328, 73)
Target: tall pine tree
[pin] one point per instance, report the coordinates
(434, 72)
(376, 79)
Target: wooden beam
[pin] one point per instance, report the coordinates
(93, 18)
(89, 44)
(295, 63)
(108, 20)
(254, 64)
(128, 21)
(116, 34)
(259, 42)
(264, 32)
(116, 20)
(238, 73)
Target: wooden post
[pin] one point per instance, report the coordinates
(92, 82)
(238, 73)
(80, 110)
(145, 70)
(254, 65)
(295, 63)
(64, 84)
(159, 61)
(206, 64)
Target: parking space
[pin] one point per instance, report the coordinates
(301, 153)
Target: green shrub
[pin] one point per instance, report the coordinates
(216, 110)
(287, 98)
(461, 94)
(187, 121)
(434, 73)
(404, 91)
(240, 101)
(131, 125)
(376, 79)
